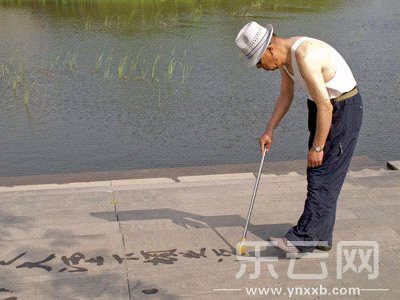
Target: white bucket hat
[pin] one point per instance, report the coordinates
(253, 39)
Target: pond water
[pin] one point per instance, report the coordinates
(89, 85)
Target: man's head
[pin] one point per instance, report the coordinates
(253, 40)
(269, 60)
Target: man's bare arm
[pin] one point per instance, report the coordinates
(282, 105)
(310, 67)
(283, 102)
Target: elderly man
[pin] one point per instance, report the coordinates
(334, 121)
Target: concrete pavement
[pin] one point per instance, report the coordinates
(175, 238)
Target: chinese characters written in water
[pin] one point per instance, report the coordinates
(79, 262)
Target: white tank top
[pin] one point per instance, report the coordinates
(342, 82)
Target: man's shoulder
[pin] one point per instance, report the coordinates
(311, 49)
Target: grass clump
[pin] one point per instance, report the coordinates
(154, 66)
(121, 67)
(27, 92)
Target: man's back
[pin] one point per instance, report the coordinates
(337, 75)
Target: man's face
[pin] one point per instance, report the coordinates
(268, 61)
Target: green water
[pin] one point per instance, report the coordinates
(111, 85)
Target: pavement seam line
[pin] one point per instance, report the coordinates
(123, 240)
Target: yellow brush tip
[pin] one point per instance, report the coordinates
(242, 248)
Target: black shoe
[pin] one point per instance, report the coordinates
(323, 248)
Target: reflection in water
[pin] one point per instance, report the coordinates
(127, 15)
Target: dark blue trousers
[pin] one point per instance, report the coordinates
(325, 182)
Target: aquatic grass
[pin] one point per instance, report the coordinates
(132, 14)
(121, 67)
(158, 13)
(14, 84)
(143, 72)
(174, 19)
(185, 69)
(88, 23)
(70, 61)
(21, 70)
(107, 21)
(159, 97)
(123, 22)
(171, 65)
(119, 22)
(197, 14)
(135, 62)
(142, 75)
(4, 69)
(276, 5)
(18, 77)
(107, 68)
(242, 14)
(99, 59)
(185, 72)
(154, 66)
(54, 63)
(173, 52)
(27, 92)
(171, 68)
(257, 3)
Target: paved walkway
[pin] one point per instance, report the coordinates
(164, 238)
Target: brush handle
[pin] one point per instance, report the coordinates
(253, 196)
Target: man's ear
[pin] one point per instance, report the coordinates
(270, 48)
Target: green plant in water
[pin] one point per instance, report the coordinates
(119, 22)
(241, 14)
(135, 62)
(107, 68)
(4, 69)
(154, 66)
(257, 3)
(142, 75)
(159, 98)
(132, 15)
(171, 68)
(108, 21)
(54, 63)
(171, 65)
(185, 69)
(71, 61)
(21, 71)
(27, 92)
(276, 5)
(143, 72)
(19, 77)
(185, 72)
(197, 14)
(99, 59)
(88, 23)
(14, 83)
(174, 19)
(121, 67)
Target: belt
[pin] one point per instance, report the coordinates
(346, 95)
